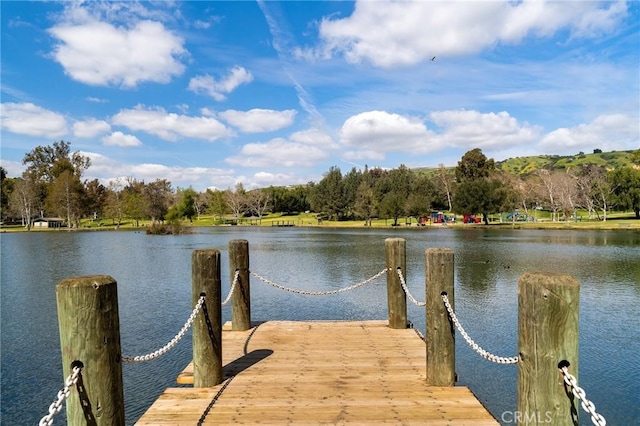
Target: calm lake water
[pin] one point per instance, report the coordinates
(154, 284)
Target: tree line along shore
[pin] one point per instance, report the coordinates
(580, 193)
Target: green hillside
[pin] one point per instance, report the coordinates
(527, 165)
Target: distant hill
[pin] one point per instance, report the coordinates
(527, 165)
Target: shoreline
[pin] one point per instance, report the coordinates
(611, 225)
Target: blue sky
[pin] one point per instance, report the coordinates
(212, 93)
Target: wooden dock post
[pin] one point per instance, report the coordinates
(548, 307)
(241, 298)
(90, 334)
(395, 251)
(440, 331)
(207, 327)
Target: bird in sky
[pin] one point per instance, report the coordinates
(433, 59)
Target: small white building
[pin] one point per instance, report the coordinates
(48, 222)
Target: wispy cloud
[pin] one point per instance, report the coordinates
(282, 42)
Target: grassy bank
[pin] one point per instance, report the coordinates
(626, 221)
(614, 221)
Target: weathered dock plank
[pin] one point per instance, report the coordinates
(324, 372)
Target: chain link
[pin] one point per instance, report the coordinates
(173, 342)
(233, 287)
(406, 290)
(587, 405)
(474, 345)
(319, 293)
(56, 406)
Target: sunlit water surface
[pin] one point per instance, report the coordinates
(154, 284)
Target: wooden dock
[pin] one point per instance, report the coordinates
(324, 372)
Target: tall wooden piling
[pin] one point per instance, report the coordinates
(207, 327)
(241, 297)
(440, 330)
(90, 335)
(548, 307)
(395, 253)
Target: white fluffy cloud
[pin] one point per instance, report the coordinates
(278, 151)
(101, 54)
(13, 168)
(314, 137)
(607, 132)
(120, 139)
(364, 155)
(380, 131)
(373, 134)
(473, 129)
(218, 89)
(171, 126)
(265, 179)
(259, 120)
(396, 33)
(90, 128)
(32, 120)
(107, 169)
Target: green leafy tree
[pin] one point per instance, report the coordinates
(185, 208)
(216, 202)
(477, 190)
(6, 187)
(46, 163)
(94, 200)
(482, 195)
(474, 165)
(508, 194)
(188, 200)
(278, 196)
(327, 197)
(395, 189)
(625, 182)
(299, 197)
(393, 206)
(134, 200)
(115, 201)
(351, 183)
(366, 203)
(419, 201)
